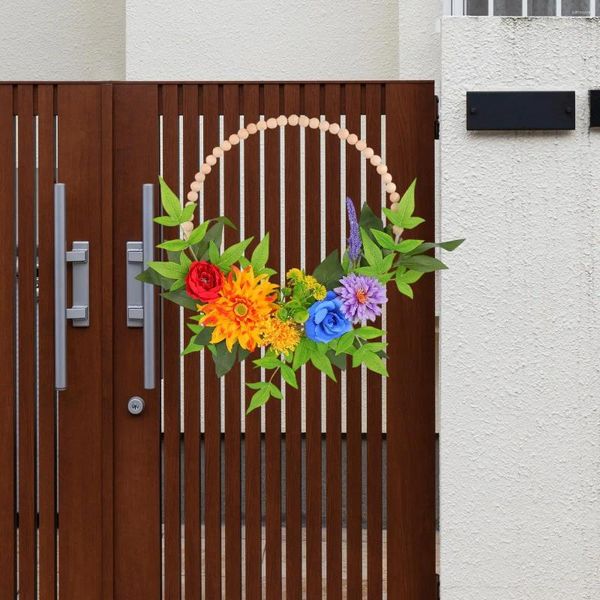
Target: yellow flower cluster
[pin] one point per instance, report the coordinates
(282, 336)
(317, 290)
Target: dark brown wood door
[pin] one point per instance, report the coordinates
(330, 492)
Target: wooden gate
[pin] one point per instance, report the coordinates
(330, 493)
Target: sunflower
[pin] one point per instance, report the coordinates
(282, 336)
(244, 303)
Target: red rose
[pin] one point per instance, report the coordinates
(204, 281)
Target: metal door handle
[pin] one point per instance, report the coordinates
(140, 296)
(79, 312)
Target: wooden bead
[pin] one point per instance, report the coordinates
(195, 186)
(293, 120)
(361, 145)
(226, 145)
(192, 196)
(381, 169)
(343, 134)
(303, 121)
(252, 128)
(187, 228)
(234, 139)
(334, 128)
(199, 176)
(282, 120)
(376, 161)
(202, 178)
(261, 125)
(390, 188)
(313, 123)
(387, 178)
(211, 160)
(217, 151)
(352, 139)
(324, 125)
(205, 169)
(394, 197)
(395, 206)
(368, 152)
(243, 134)
(272, 123)
(397, 230)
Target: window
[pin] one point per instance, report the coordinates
(521, 8)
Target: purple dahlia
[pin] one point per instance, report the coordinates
(361, 296)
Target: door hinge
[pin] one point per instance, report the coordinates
(436, 123)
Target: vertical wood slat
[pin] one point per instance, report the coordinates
(233, 548)
(314, 518)
(293, 441)
(273, 408)
(374, 387)
(353, 377)
(411, 389)
(212, 405)
(171, 397)
(47, 395)
(8, 555)
(333, 398)
(27, 352)
(193, 539)
(137, 516)
(252, 440)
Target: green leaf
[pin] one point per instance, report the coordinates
(213, 253)
(170, 202)
(422, 263)
(174, 245)
(345, 342)
(374, 363)
(408, 245)
(184, 261)
(203, 336)
(406, 207)
(225, 221)
(405, 289)
(289, 376)
(393, 216)
(383, 239)
(177, 285)
(233, 254)
(260, 255)
(303, 352)
(321, 362)
(268, 361)
(259, 398)
(180, 297)
(275, 391)
(224, 360)
(188, 212)
(371, 250)
(408, 276)
(368, 332)
(167, 221)
(413, 222)
(197, 234)
(257, 385)
(152, 277)
(192, 347)
(368, 220)
(330, 271)
(338, 360)
(449, 246)
(168, 269)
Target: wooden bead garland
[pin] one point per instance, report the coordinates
(302, 121)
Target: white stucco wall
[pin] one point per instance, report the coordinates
(520, 379)
(62, 39)
(273, 39)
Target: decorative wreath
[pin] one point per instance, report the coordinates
(322, 318)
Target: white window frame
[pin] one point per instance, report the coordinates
(457, 7)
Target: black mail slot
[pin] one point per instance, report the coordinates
(520, 110)
(594, 108)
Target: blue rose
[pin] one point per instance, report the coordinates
(326, 321)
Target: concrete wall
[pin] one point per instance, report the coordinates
(62, 39)
(520, 341)
(274, 39)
